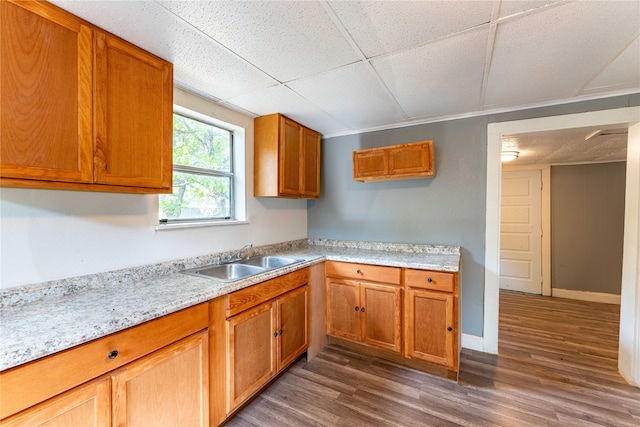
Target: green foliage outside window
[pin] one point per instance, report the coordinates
(203, 172)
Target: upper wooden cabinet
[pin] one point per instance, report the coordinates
(81, 108)
(404, 161)
(286, 159)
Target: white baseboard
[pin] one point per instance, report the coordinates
(472, 342)
(586, 296)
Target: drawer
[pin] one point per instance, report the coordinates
(373, 273)
(257, 294)
(41, 379)
(425, 279)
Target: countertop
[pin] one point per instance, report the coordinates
(39, 320)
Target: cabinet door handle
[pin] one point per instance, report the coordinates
(429, 280)
(113, 354)
(357, 308)
(358, 271)
(275, 334)
(449, 329)
(280, 332)
(362, 309)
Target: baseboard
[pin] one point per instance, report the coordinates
(586, 296)
(472, 342)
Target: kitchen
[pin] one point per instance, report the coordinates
(45, 229)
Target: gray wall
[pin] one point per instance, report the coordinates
(448, 209)
(587, 227)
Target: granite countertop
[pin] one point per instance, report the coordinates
(39, 320)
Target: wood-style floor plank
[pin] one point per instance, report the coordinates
(557, 367)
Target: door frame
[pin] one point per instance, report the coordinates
(630, 295)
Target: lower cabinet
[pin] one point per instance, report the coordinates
(411, 314)
(88, 405)
(264, 340)
(153, 374)
(430, 322)
(168, 387)
(366, 312)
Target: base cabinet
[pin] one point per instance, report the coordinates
(365, 311)
(88, 405)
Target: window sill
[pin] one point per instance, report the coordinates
(197, 224)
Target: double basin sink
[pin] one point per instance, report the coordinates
(230, 272)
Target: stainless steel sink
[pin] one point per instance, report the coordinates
(241, 269)
(226, 272)
(270, 262)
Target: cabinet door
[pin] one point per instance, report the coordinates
(343, 309)
(290, 153)
(293, 331)
(310, 163)
(370, 163)
(133, 99)
(430, 329)
(411, 159)
(251, 352)
(46, 86)
(168, 387)
(88, 405)
(381, 316)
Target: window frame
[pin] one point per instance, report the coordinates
(194, 170)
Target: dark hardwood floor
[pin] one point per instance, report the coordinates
(556, 367)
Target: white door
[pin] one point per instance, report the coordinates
(521, 232)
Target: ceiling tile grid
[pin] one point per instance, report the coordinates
(350, 66)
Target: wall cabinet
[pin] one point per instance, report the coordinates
(82, 109)
(404, 161)
(366, 311)
(156, 373)
(286, 158)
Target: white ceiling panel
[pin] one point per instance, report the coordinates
(385, 26)
(552, 53)
(198, 62)
(351, 93)
(263, 102)
(285, 39)
(512, 7)
(443, 77)
(622, 73)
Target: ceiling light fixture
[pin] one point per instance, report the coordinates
(508, 156)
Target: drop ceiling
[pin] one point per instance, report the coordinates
(344, 67)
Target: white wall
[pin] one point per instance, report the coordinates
(47, 235)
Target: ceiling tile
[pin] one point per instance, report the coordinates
(287, 40)
(281, 99)
(550, 54)
(351, 93)
(198, 63)
(438, 78)
(622, 73)
(385, 26)
(512, 7)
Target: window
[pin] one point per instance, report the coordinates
(203, 173)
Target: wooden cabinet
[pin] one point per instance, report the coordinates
(88, 405)
(81, 108)
(431, 317)
(365, 311)
(404, 161)
(168, 387)
(147, 371)
(286, 158)
(267, 332)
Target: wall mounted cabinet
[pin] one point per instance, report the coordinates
(404, 161)
(81, 108)
(286, 159)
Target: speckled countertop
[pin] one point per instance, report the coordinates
(39, 320)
